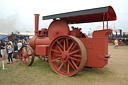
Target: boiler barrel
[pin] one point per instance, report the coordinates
(39, 41)
(42, 41)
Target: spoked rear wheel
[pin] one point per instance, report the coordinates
(67, 55)
(26, 55)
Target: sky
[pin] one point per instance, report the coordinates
(18, 15)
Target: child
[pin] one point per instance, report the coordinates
(116, 43)
(9, 53)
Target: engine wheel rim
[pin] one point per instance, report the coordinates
(67, 55)
(120, 43)
(126, 42)
(26, 55)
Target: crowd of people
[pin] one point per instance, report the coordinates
(11, 49)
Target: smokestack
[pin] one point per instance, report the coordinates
(36, 23)
(120, 32)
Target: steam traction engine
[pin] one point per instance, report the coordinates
(68, 50)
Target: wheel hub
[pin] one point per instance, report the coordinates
(65, 56)
(25, 56)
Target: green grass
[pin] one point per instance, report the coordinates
(40, 73)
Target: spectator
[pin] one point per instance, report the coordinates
(9, 53)
(26, 43)
(19, 44)
(3, 50)
(0, 50)
(23, 42)
(6, 47)
(10, 42)
(15, 51)
(116, 43)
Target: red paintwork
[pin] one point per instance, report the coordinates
(41, 50)
(57, 28)
(36, 23)
(96, 47)
(120, 43)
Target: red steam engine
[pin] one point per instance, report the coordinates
(68, 50)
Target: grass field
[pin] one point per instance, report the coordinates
(40, 73)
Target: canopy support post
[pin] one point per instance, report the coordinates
(107, 20)
(103, 20)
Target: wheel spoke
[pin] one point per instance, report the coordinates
(61, 65)
(56, 59)
(77, 55)
(73, 47)
(28, 50)
(59, 62)
(70, 47)
(71, 65)
(74, 64)
(25, 60)
(22, 56)
(64, 46)
(55, 51)
(74, 59)
(67, 43)
(59, 48)
(29, 58)
(56, 55)
(74, 52)
(29, 54)
(60, 44)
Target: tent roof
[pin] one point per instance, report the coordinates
(1, 33)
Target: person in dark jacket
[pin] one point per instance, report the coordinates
(16, 51)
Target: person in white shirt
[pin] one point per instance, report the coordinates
(19, 44)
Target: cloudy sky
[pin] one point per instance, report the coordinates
(18, 15)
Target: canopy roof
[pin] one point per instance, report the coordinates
(85, 16)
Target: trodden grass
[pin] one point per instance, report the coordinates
(40, 73)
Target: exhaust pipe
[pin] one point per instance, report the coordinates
(36, 23)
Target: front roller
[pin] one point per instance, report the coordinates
(67, 55)
(26, 55)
